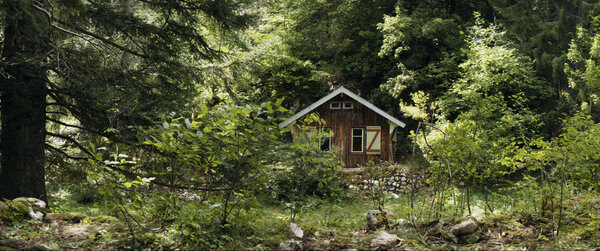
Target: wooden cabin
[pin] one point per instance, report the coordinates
(361, 131)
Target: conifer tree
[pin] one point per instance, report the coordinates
(108, 64)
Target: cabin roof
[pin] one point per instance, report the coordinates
(333, 94)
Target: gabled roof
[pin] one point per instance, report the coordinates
(333, 94)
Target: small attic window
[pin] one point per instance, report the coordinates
(335, 105)
(348, 105)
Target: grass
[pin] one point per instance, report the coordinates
(512, 225)
(65, 201)
(339, 224)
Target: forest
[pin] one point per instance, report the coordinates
(155, 124)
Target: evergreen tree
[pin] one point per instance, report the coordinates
(109, 64)
(427, 40)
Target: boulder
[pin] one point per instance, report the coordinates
(465, 227)
(384, 239)
(290, 245)
(296, 230)
(19, 207)
(375, 219)
(28, 208)
(404, 223)
(35, 215)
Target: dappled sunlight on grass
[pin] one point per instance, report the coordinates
(64, 201)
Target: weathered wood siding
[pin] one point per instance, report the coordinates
(341, 121)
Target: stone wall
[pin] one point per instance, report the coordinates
(394, 179)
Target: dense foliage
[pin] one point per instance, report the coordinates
(165, 115)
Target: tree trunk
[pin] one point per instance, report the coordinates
(126, 57)
(23, 101)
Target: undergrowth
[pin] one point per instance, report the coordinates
(327, 224)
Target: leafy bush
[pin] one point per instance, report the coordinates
(200, 173)
(281, 189)
(311, 169)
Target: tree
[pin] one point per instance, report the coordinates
(543, 30)
(583, 72)
(303, 45)
(24, 50)
(427, 39)
(105, 67)
(489, 111)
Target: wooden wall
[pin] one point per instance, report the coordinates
(342, 120)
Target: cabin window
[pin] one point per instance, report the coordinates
(348, 105)
(335, 105)
(325, 141)
(357, 140)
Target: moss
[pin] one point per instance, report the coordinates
(20, 207)
(103, 219)
(448, 236)
(471, 239)
(68, 217)
(5, 214)
(37, 208)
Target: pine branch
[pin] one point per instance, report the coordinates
(64, 153)
(60, 113)
(69, 125)
(74, 141)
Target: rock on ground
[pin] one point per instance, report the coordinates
(296, 230)
(383, 238)
(404, 223)
(375, 219)
(290, 245)
(466, 227)
(28, 207)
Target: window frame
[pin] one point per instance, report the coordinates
(347, 102)
(322, 129)
(339, 103)
(362, 138)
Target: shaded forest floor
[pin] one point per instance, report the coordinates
(327, 226)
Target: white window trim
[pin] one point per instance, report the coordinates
(335, 108)
(362, 137)
(348, 108)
